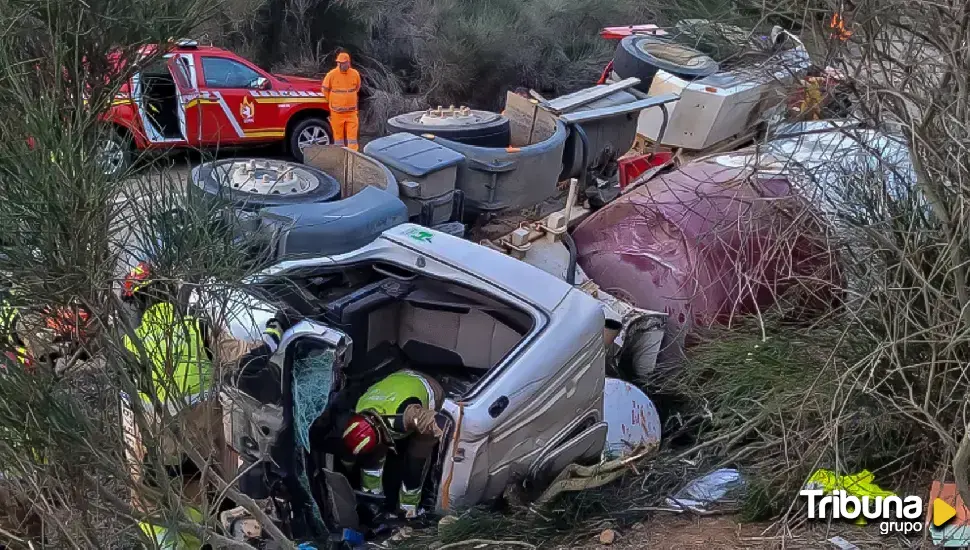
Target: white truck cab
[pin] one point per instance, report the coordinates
(519, 352)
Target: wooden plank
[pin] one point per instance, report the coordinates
(564, 105)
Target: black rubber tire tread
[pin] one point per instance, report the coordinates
(328, 189)
(291, 139)
(630, 61)
(494, 133)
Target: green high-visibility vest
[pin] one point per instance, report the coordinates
(8, 317)
(387, 396)
(176, 351)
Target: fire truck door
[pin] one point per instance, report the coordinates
(182, 67)
(234, 116)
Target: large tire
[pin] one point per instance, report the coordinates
(478, 128)
(214, 181)
(641, 56)
(312, 131)
(114, 154)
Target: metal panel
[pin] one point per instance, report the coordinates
(573, 101)
(595, 114)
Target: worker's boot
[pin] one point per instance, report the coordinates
(371, 481)
(409, 500)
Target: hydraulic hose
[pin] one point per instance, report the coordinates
(567, 239)
(585, 155)
(581, 187)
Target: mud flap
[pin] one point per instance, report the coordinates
(632, 419)
(342, 505)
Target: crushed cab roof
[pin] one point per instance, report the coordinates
(515, 277)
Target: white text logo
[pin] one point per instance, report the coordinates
(897, 515)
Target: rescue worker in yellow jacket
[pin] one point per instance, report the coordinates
(340, 88)
(396, 413)
(185, 355)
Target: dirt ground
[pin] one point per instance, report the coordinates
(727, 533)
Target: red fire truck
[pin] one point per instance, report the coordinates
(205, 97)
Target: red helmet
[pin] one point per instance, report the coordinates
(68, 323)
(362, 435)
(136, 279)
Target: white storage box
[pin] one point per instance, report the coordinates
(722, 105)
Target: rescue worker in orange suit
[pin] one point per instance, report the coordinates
(340, 88)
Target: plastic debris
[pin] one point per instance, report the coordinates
(843, 544)
(857, 485)
(953, 531)
(444, 522)
(704, 491)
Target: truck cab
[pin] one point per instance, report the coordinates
(196, 96)
(520, 355)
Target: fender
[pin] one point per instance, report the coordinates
(124, 114)
(296, 109)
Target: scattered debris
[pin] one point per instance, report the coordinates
(607, 536)
(843, 544)
(446, 521)
(704, 491)
(482, 543)
(401, 534)
(952, 531)
(580, 478)
(858, 485)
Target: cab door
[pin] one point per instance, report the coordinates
(232, 113)
(311, 358)
(182, 67)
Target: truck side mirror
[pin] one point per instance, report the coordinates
(261, 83)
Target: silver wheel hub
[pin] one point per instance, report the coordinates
(110, 156)
(266, 177)
(453, 116)
(312, 135)
(674, 53)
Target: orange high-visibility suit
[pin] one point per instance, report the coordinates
(340, 88)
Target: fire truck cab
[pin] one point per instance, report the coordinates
(206, 97)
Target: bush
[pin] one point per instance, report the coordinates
(420, 53)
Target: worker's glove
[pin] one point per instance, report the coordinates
(422, 421)
(273, 333)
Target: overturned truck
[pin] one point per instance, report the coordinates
(521, 355)
(520, 336)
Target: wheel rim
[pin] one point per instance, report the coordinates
(674, 53)
(455, 116)
(266, 177)
(312, 135)
(110, 157)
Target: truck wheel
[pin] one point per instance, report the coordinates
(258, 183)
(464, 125)
(312, 131)
(113, 154)
(641, 56)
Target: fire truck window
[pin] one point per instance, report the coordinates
(182, 74)
(226, 73)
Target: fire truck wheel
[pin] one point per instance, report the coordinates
(312, 131)
(468, 126)
(114, 154)
(641, 56)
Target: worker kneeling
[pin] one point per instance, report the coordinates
(397, 414)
